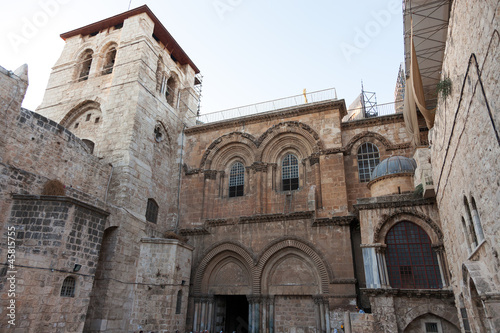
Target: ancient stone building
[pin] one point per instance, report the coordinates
(128, 212)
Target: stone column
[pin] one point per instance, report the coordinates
(196, 314)
(318, 311)
(203, 314)
(210, 313)
(271, 314)
(382, 266)
(439, 249)
(250, 314)
(327, 314)
(315, 166)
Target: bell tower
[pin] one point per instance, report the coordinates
(127, 89)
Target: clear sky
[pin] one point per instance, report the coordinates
(248, 51)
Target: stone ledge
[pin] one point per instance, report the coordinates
(428, 293)
(60, 199)
(167, 241)
(392, 201)
(194, 231)
(276, 217)
(389, 119)
(336, 220)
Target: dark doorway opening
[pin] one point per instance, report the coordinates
(235, 313)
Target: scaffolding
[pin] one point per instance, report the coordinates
(430, 28)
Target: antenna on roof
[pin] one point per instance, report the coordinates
(129, 4)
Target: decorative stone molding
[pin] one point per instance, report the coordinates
(210, 174)
(394, 175)
(194, 232)
(400, 213)
(343, 281)
(387, 144)
(324, 271)
(276, 217)
(270, 116)
(394, 201)
(259, 167)
(313, 160)
(418, 293)
(336, 220)
(212, 253)
(217, 222)
(389, 119)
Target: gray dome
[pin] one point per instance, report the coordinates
(394, 165)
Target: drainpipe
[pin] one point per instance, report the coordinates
(179, 183)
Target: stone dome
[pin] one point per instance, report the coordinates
(394, 165)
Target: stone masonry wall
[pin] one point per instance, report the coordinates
(52, 235)
(465, 152)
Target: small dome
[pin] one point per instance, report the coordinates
(394, 165)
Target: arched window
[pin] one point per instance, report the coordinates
(109, 62)
(68, 287)
(171, 91)
(178, 306)
(90, 144)
(236, 180)
(152, 211)
(290, 173)
(85, 64)
(368, 158)
(411, 262)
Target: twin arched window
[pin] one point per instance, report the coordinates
(472, 225)
(236, 180)
(411, 261)
(368, 158)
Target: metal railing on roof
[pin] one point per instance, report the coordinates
(376, 110)
(269, 106)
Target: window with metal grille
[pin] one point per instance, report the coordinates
(431, 328)
(178, 306)
(152, 211)
(236, 180)
(368, 158)
(290, 173)
(68, 287)
(411, 262)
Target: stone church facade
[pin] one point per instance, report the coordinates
(121, 212)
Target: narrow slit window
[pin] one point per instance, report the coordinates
(68, 287)
(236, 180)
(290, 173)
(178, 306)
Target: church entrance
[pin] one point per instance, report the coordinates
(231, 313)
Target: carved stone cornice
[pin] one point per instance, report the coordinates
(217, 222)
(313, 159)
(343, 281)
(210, 174)
(260, 218)
(393, 201)
(259, 167)
(410, 293)
(335, 220)
(194, 231)
(269, 116)
(389, 119)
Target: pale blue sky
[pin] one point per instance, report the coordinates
(248, 51)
